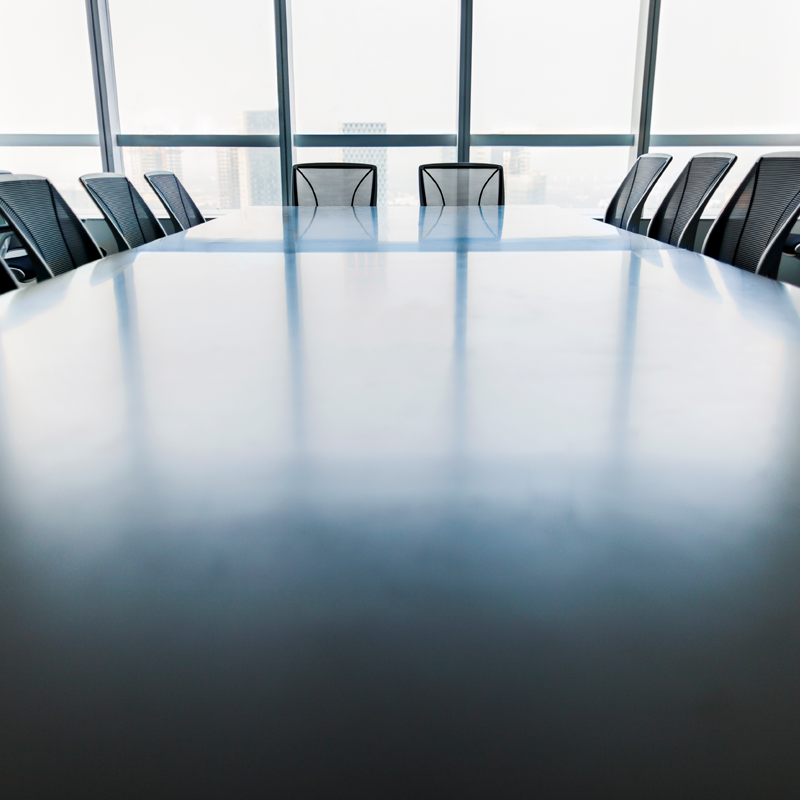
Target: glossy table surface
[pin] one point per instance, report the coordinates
(400, 504)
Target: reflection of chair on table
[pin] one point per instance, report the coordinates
(466, 222)
(356, 224)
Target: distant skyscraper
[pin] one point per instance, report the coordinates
(523, 187)
(139, 160)
(263, 166)
(368, 155)
(230, 186)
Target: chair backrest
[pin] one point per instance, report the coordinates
(334, 184)
(625, 209)
(751, 230)
(461, 184)
(676, 219)
(181, 208)
(128, 216)
(54, 238)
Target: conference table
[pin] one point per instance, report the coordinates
(400, 502)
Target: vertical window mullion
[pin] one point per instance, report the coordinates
(283, 52)
(105, 83)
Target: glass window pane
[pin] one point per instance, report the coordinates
(583, 178)
(563, 67)
(47, 82)
(398, 167)
(726, 69)
(189, 67)
(62, 165)
(365, 66)
(219, 179)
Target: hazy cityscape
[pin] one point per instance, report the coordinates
(224, 179)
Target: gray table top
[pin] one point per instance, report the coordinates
(398, 504)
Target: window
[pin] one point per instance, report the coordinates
(724, 69)
(189, 67)
(572, 177)
(48, 85)
(369, 66)
(563, 67)
(190, 74)
(219, 179)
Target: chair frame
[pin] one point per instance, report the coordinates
(175, 221)
(373, 201)
(42, 270)
(423, 199)
(119, 236)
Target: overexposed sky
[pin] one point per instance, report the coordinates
(192, 66)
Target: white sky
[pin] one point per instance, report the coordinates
(192, 66)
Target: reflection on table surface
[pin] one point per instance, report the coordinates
(404, 228)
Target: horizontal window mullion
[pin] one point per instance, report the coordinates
(197, 140)
(552, 139)
(375, 140)
(49, 140)
(726, 140)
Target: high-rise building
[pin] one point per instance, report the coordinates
(522, 185)
(230, 184)
(263, 164)
(368, 155)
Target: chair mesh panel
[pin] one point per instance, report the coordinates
(449, 185)
(686, 196)
(335, 184)
(637, 185)
(44, 219)
(770, 197)
(123, 206)
(175, 198)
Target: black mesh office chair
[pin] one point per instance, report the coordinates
(752, 229)
(53, 237)
(181, 208)
(625, 209)
(128, 216)
(332, 184)
(676, 219)
(461, 184)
